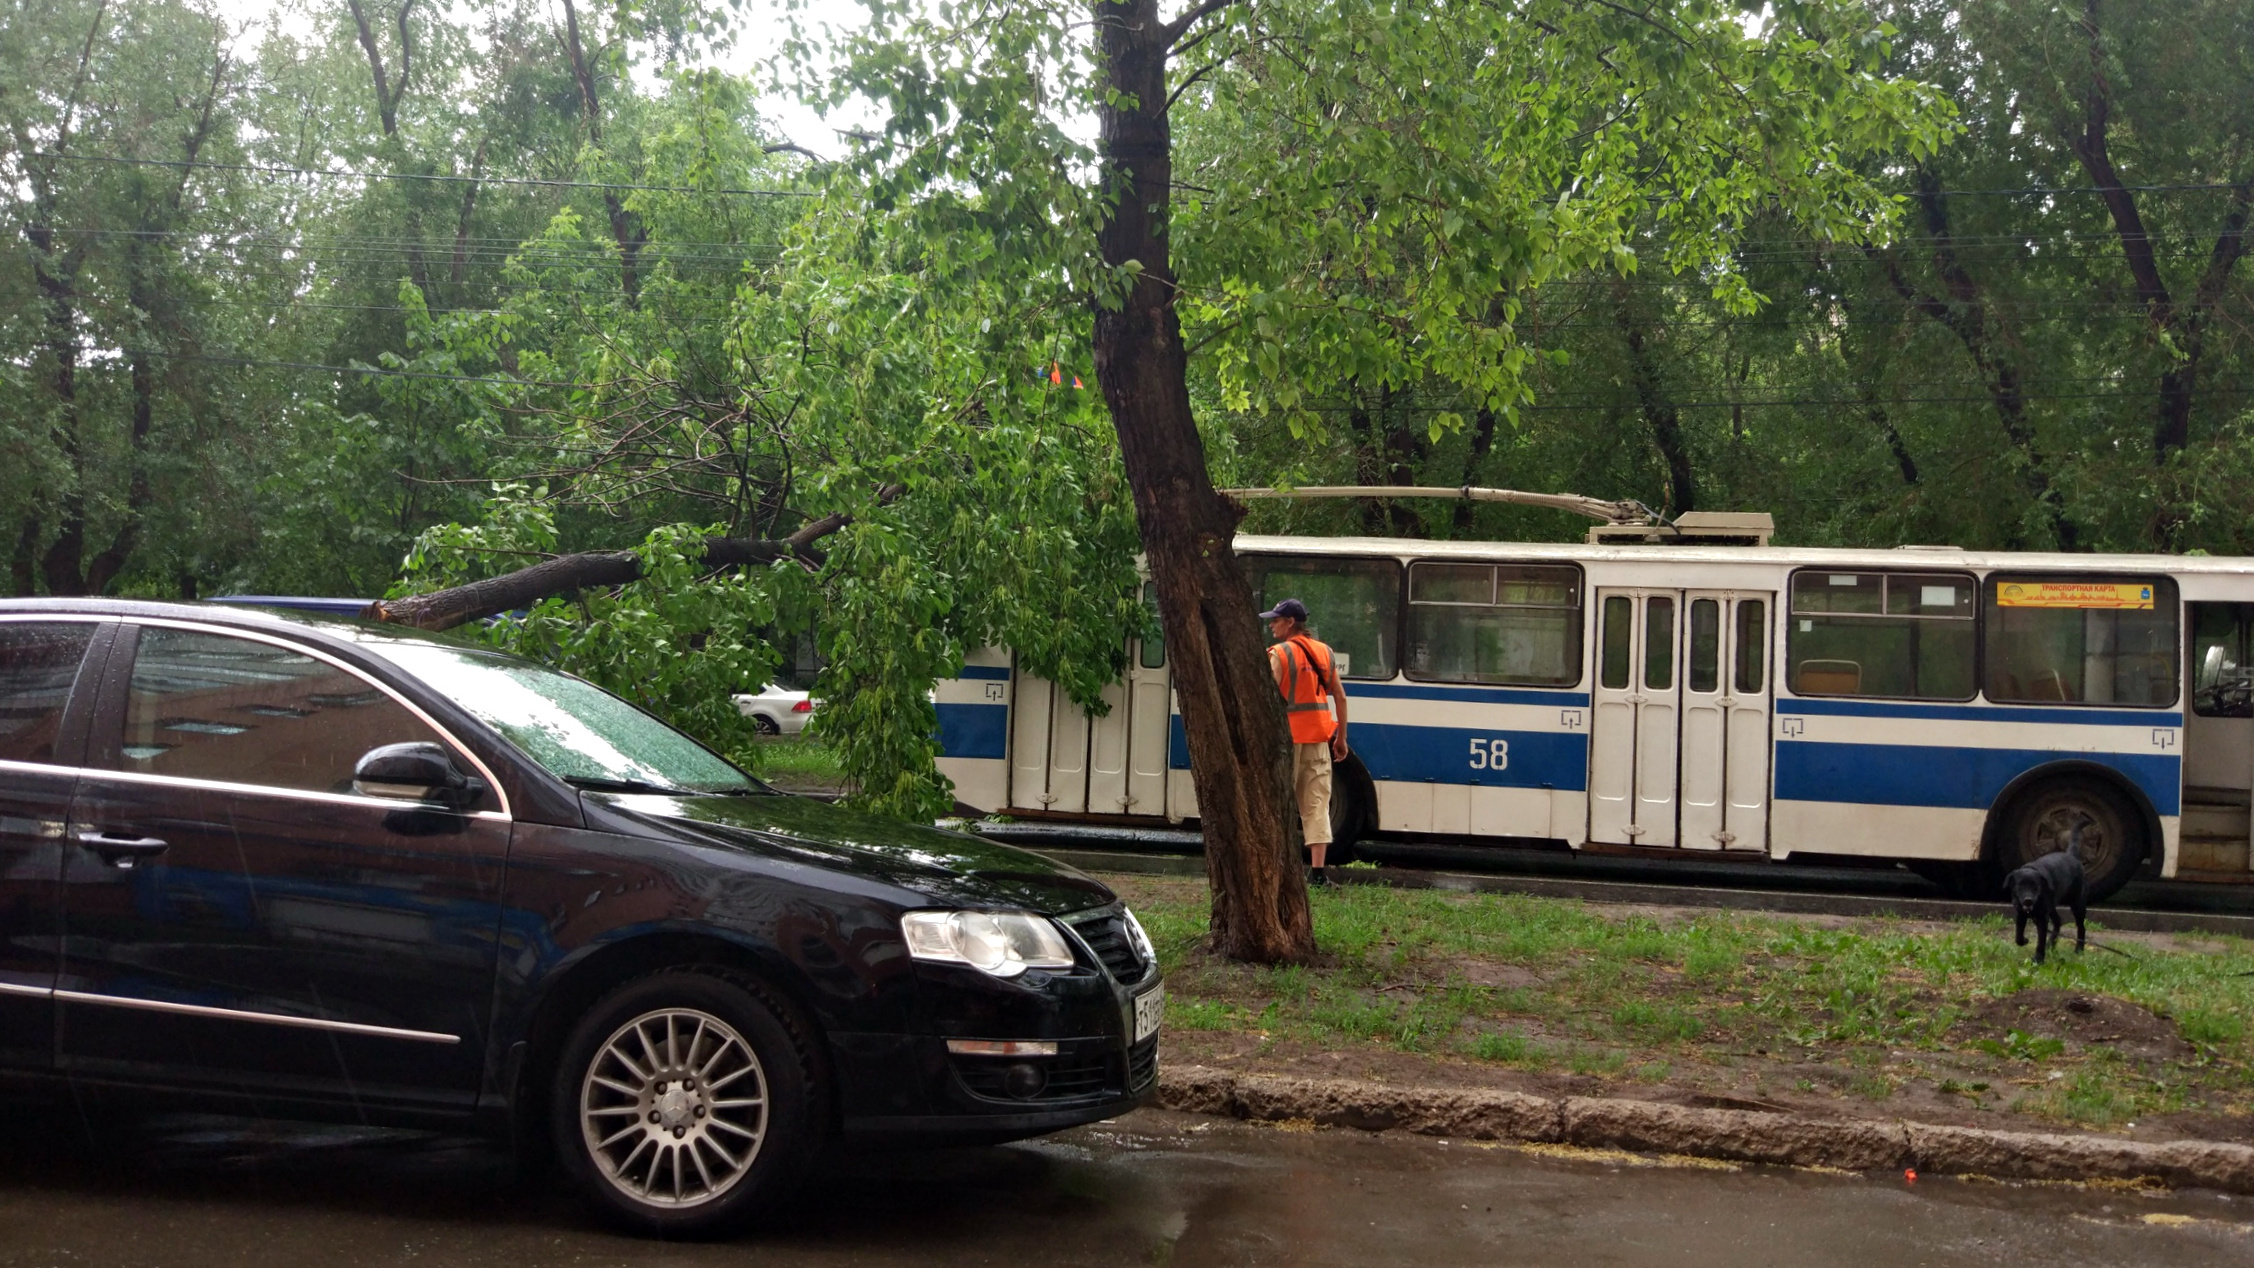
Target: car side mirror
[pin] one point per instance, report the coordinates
(2211, 668)
(418, 771)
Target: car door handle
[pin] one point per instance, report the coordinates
(122, 851)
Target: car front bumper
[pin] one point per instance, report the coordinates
(911, 1085)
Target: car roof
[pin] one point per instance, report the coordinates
(243, 616)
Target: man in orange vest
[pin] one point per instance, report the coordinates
(1306, 675)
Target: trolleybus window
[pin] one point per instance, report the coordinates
(1659, 643)
(1898, 634)
(1617, 637)
(1506, 623)
(1352, 604)
(2081, 640)
(1752, 638)
(1154, 643)
(1705, 672)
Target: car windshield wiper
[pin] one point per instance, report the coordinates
(596, 784)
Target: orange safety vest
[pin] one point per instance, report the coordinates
(1305, 677)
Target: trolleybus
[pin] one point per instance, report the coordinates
(1693, 689)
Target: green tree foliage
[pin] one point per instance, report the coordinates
(1994, 375)
(469, 283)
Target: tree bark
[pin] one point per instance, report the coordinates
(1231, 710)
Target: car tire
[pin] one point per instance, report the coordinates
(765, 725)
(2113, 842)
(686, 1103)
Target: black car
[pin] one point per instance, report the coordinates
(305, 866)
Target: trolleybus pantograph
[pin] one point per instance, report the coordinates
(1690, 688)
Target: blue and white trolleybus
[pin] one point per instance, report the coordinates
(1691, 688)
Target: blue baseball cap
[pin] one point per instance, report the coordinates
(1292, 608)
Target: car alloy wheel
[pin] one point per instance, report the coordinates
(688, 1102)
(674, 1108)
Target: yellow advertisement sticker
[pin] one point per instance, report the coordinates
(2131, 595)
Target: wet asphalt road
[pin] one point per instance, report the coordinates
(1154, 1188)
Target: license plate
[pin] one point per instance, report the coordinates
(1150, 1008)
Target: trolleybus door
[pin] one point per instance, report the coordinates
(1636, 722)
(1065, 761)
(1725, 734)
(1127, 746)
(1150, 721)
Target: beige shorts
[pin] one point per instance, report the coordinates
(1310, 779)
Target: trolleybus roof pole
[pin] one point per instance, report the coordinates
(1594, 508)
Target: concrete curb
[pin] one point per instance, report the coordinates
(1735, 1135)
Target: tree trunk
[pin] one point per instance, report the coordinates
(60, 566)
(1388, 452)
(388, 96)
(1482, 440)
(625, 227)
(23, 564)
(145, 295)
(1965, 314)
(1658, 409)
(2182, 326)
(469, 208)
(1239, 755)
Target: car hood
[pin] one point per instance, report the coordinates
(935, 866)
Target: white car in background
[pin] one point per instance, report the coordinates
(777, 710)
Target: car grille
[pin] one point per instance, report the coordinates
(1107, 936)
(1069, 1077)
(1142, 1064)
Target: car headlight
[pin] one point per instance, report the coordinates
(1003, 943)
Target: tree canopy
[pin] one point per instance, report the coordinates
(430, 292)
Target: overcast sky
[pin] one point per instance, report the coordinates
(758, 32)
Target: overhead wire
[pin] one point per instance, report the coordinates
(1553, 406)
(434, 177)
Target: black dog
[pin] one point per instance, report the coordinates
(2037, 889)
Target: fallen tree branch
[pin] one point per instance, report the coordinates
(594, 570)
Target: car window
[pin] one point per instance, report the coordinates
(572, 728)
(38, 661)
(211, 706)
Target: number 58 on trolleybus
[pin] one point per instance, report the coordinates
(1689, 688)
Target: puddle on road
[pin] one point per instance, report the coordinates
(1153, 1188)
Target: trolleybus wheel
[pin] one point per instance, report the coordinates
(1349, 809)
(2044, 821)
